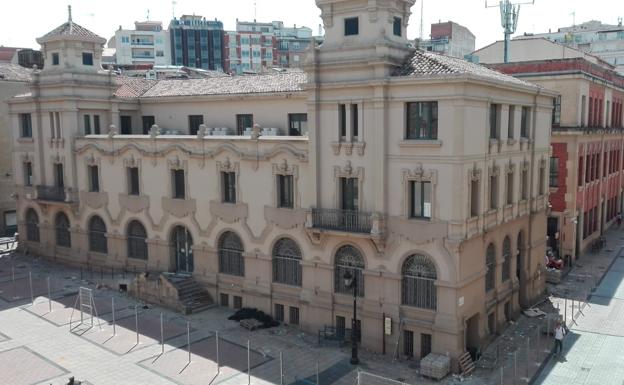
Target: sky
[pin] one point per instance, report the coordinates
(21, 22)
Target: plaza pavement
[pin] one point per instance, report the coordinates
(593, 353)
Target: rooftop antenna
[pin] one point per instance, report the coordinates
(573, 14)
(510, 12)
(148, 14)
(255, 10)
(422, 7)
(173, 4)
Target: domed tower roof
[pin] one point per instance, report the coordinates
(71, 31)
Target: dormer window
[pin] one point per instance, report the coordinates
(396, 26)
(87, 58)
(55, 59)
(352, 26)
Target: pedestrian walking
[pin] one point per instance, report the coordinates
(559, 333)
(619, 219)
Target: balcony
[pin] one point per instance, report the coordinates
(342, 220)
(52, 194)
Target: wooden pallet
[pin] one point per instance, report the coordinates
(466, 365)
(250, 324)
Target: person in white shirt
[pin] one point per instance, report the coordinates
(559, 333)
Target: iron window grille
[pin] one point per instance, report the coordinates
(94, 179)
(97, 235)
(137, 241)
(61, 226)
(287, 262)
(231, 259)
(419, 276)
(348, 258)
(229, 187)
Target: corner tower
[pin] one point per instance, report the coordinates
(71, 48)
(364, 39)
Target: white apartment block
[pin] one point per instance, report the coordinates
(415, 173)
(605, 41)
(148, 43)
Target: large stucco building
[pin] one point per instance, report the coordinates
(422, 174)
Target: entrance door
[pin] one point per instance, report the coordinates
(182, 249)
(126, 125)
(552, 228)
(472, 336)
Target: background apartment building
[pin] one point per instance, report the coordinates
(255, 46)
(433, 200)
(146, 44)
(594, 37)
(450, 38)
(197, 42)
(14, 80)
(586, 166)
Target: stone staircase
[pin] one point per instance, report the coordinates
(192, 297)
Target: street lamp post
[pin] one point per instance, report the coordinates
(350, 281)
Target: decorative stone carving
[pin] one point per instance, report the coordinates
(201, 132)
(175, 163)
(510, 167)
(256, 131)
(132, 161)
(154, 131)
(474, 173)
(493, 170)
(91, 160)
(112, 131)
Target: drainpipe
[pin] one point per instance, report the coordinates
(532, 204)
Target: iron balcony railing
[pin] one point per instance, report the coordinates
(51, 193)
(352, 221)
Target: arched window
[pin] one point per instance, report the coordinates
(97, 235)
(231, 255)
(61, 227)
(137, 236)
(287, 262)
(506, 259)
(490, 266)
(32, 225)
(419, 276)
(348, 258)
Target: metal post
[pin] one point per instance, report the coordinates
(81, 273)
(49, 296)
(13, 273)
(188, 340)
(515, 366)
(538, 343)
(32, 297)
(317, 373)
(572, 311)
(502, 373)
(528, 358)
(162, 335)
(101, 273)
(113, 307)
(217, 350)
(565, 311)
(248, 365)
(281, 369)
(136, 322)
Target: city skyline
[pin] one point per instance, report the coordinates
(104, 18)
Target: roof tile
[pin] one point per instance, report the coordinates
(425, 64)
